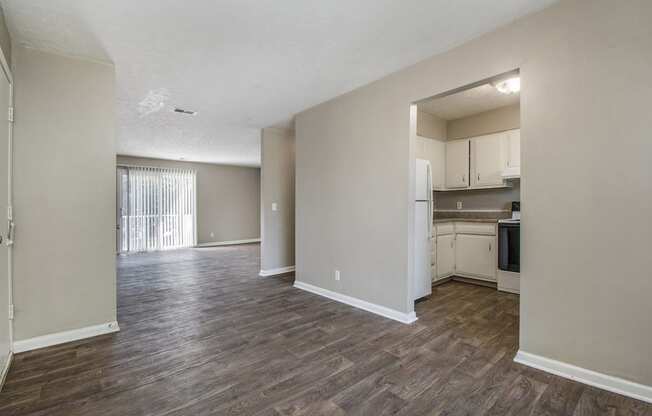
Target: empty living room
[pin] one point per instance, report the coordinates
(286, 208)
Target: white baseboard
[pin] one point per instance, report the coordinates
(63, 337)
(406, 318)
(592, 378)
(229, 243)
(274, 272)
(5, 369)
(471, 210)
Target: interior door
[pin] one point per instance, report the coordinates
(5, 223)
(457, 164)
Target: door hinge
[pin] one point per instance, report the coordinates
(10, 114)
(11, 312)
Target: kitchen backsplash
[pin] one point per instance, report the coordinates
(493, 215)
(479, 199)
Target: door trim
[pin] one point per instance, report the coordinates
(5, 217)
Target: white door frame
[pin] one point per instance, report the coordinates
(9, 209)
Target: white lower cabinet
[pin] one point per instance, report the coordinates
(476, 255)
(466, 249)
(445, 255)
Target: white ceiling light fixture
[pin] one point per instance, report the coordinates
(154, 101)
(508, 86)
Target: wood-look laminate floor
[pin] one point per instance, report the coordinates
(203, 335)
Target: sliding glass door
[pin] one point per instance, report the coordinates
(156, 208)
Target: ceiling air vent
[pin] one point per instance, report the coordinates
(182, 111)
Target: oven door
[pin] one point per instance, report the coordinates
(509, 247)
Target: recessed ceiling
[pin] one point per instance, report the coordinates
(468, 102)
(243, 64)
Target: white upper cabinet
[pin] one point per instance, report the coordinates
(514, 148)
(434, 151)
(487, 160)
(512, 152)
(457, 164)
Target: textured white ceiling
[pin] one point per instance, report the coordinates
(243, 64)
(468, 102)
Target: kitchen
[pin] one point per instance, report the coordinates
(467, 217)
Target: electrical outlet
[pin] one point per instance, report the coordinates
(459, 204)
(337, 275)
(212, 234)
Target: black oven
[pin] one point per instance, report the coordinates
(509, 245)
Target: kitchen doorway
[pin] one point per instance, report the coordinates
(469, 141)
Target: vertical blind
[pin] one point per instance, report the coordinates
(157, 208)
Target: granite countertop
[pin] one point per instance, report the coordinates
(484, 220)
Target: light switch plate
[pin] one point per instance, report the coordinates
(274, 206)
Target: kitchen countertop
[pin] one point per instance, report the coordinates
(484, 220)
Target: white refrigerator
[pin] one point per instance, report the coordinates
(422, 282)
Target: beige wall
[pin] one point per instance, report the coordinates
(277, 186)
(431, 126)
(492, 121)
(228, 198)
(64, 194)
(585, 271)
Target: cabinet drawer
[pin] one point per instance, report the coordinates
(480, 228)
(445, 228)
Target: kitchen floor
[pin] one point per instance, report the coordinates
(202, 334)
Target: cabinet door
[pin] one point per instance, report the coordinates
(487, 160)
(457, 164)
(434, 151)
(514, 148)
(438, 163)
(476, 255)
(445, 255)
(420, 148)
